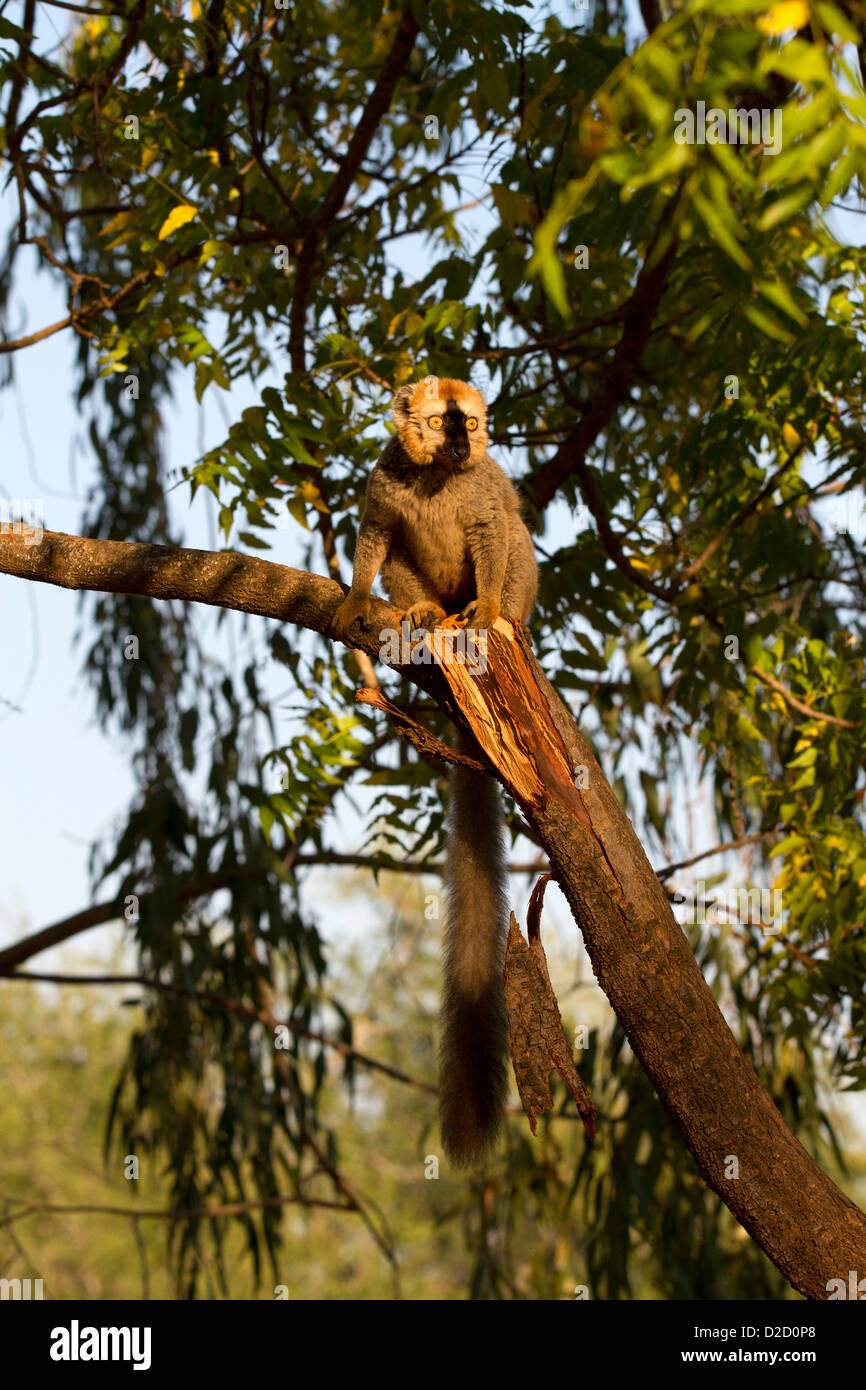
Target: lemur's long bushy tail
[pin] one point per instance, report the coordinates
(473, 1050)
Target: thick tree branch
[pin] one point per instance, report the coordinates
(379, 101)
(743, 1149)
(224, 578)
(570, 458)
(737, 1137)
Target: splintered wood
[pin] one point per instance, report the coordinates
(416, 734)
(507, 712)
(493, 684)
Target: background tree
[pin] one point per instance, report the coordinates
(670, 338)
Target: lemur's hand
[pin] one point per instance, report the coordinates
(426, 613)
(480, 614)
(354, 608)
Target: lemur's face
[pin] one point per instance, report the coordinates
(441, 421)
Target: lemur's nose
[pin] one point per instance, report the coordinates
(459, 451)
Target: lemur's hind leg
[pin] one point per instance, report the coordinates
(408, 590)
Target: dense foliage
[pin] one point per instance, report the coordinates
(670, 338)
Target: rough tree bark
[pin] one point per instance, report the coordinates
(641, 958)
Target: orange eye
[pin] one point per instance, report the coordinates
(435, 422)
(472, 424)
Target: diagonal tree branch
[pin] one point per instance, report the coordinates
(570, 458)
(810, 1229)
(380, 100)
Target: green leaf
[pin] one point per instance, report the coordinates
(266, 818)
(785, 207)
(836, 23)
(781, 296)
(716, 224)
(8, 30)
(767, 322)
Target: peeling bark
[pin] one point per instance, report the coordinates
(536, 1037)
(415, 733)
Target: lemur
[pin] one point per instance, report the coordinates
(442, 523)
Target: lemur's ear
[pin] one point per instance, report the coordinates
(400, 404)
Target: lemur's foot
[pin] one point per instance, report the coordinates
(480, 614)
(426, 613)
(352, 610)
